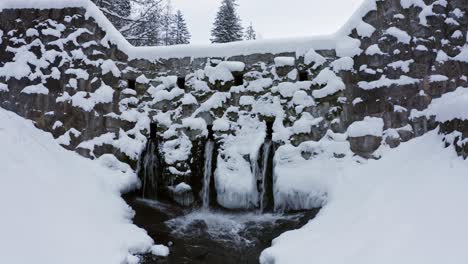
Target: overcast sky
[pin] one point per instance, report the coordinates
(271, 18)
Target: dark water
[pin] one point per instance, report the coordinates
(202, 236)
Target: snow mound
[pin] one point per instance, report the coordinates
(58, 207)
(450, 106)
(408, 207)
(370, 126)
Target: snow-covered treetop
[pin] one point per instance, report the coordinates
(339, 40)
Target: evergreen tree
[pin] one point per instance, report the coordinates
(181, 34)
(167, 24)
(227, 26)
(250, 33)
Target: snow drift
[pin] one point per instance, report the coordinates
(58, 207)
(408, 207)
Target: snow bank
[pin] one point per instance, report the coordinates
(304, 184)
(58, 207)
(408, 207)
(345, 46)
(453, 105)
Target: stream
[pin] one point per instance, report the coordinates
(212, 236)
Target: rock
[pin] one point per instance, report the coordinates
(182, 194)
(365, 146)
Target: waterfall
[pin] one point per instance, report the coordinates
(149, 170)
(208, 171)
(264, 199)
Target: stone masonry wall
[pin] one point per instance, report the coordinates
(58, 69)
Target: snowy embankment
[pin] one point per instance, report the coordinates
(58, 207)
(408, 207)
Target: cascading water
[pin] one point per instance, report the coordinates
(149, 170)
(264, 196)
(208, 172)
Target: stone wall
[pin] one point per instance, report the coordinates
(59, 69)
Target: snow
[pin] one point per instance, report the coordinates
(284, 61)
(357, 101)
(195, 124)
(219, 73)
(35, 89)
(160, 94)
(426, 9)
(404, 66)
(343, 64)
(301, 98)
(57, 124)
(332, 82)
(304, 124)
(182, 187)
(259, 85)
(348, 47)
(441, 56)
(313, 57)
(107, 138)
(142, 79)
(399, 109)
(463, 55)
(79, 73)
(370, 126)
(233, 66)
(302, 184)
(3, 87)
(452, 105)
(364, 29)
(221, 125)
(407, 207)
(109, 66)
(386, 82)
(235, 177)
(438, 78)
(457, 34)
(61, 207)
(65, 139)
(160, 250)
(374, 50)
(177, 149)
(421, 48)
(286, 89)
(400, 35)
(188, 99)
(87, 101)
(31, 32)
(458, 13)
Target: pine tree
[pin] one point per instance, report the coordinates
(227, 26)
(167, 24)
(181, 34)
(250, 33)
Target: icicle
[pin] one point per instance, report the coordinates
(208, 168)
(266, 155)
(149, 170)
